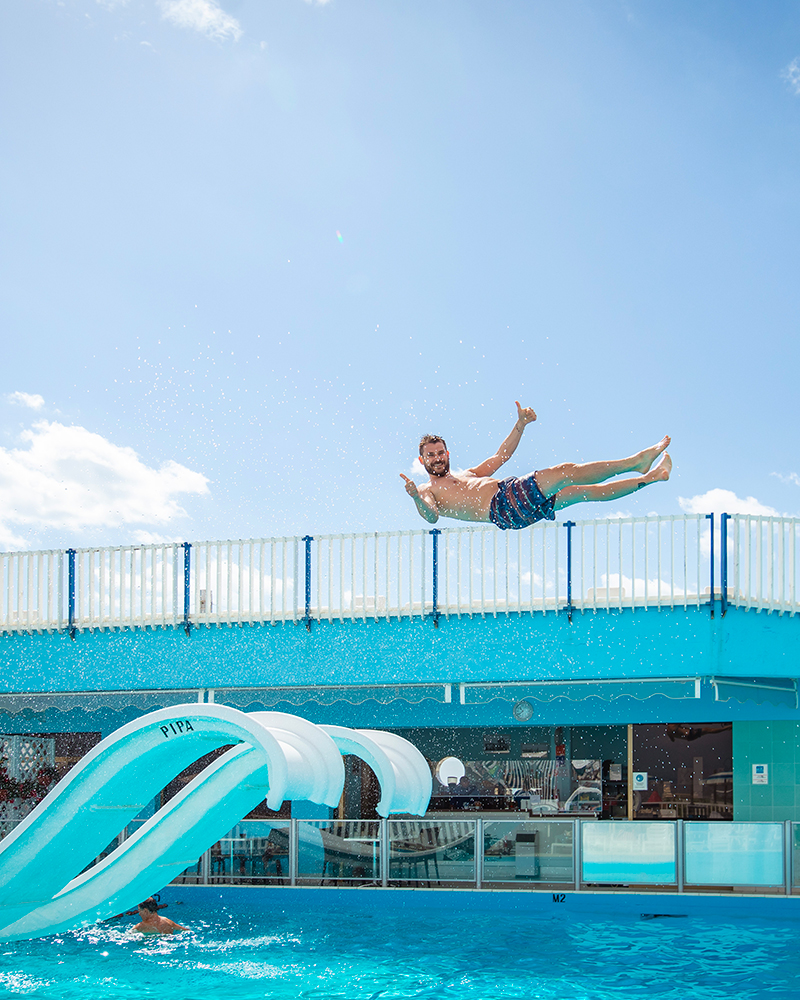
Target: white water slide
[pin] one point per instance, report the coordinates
(276, 756)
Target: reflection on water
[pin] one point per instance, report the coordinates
(409, 953)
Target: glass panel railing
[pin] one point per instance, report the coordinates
(742, 854)
(625, 852)
(255, 852)
(528, 851)
(338, 852)
(425, 851)
(513, 852)
(193, 875)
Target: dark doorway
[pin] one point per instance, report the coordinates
(688, 768)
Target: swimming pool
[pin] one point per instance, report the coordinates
(250, 944)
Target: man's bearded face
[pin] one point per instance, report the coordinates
(435, 459)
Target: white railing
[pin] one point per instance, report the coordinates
(648, 562)
(763, 562)
(128, 585)
(574, 566)
(486, 571)
(33, 589)
(246, 581)
(372, 575)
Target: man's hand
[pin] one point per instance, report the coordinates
(426, 507)
(411, 487)
(525, 415)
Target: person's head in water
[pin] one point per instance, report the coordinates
(434, 455)
(150, 905)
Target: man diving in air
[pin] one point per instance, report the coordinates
(475, 495)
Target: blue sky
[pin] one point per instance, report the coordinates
(253, 249)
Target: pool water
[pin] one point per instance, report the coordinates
(420, 953)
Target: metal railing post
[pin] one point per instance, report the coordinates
(435, 532)
(71, 592)
(577, 854)
(205, 867)
(292, 852)
(787, 857)
(723, 562)
(711, 564)
(308, 539)
(478, 853)
(679, 853)
(187, 586)
(384, 852)
(569, 525)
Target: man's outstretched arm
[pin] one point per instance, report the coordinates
(525, 416)
(426, 508)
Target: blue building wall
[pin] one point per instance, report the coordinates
(776, 744)
(511, 647)
(502, 648)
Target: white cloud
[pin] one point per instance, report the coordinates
(791, 478)
(9, 541)
(320, 2)
(719, 501)
(723, 501)
(154, 538)
(792, 75)
(33, 400)
(205, 16)
(70, 478)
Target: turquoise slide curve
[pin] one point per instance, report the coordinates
(275, 756)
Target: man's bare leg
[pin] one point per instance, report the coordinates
(612, 491)
(553, 480)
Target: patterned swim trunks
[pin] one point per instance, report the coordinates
(519, 503)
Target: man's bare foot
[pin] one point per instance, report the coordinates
(645, 459)
(660, 474)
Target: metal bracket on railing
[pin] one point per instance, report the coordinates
(308, 539)
(723, 562)
(569, 525)
(187, 587)
(435, 532)
(71, 592)
(711, 562)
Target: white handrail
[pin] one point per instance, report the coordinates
(252, 580)
(763, 556)
(634, 563)
(33, 587)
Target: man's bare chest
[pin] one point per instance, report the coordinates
(458, 492)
